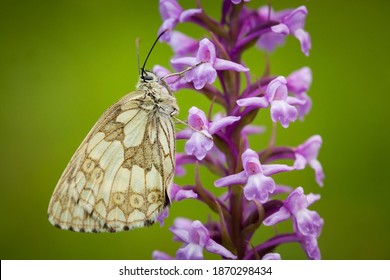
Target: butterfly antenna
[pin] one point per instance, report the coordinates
(137, 52)
(147, 57)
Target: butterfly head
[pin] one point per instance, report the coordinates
(148, 77)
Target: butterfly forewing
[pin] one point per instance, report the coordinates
(119, 178)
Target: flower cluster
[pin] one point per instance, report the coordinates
(221, 142)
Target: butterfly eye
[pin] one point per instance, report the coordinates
(147, 78)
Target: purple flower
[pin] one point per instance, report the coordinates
(308, 223)
(171, 14)
(307, 153)
(263, 199)
(162, 216)
(196, 237)
(201, 140)
(305, 106)
(282, 108)
(158, 255)
(182, 44)
(290, 22)
(239, 1)
(310, 246)
(300, 80)
(181, 159)
(177, 193)
(271, 257)
(276, 95)
(299, 83)
(252, 129)
(206, 72)
(282, 189)
(270, 40)
(175, 83)
(258, 184)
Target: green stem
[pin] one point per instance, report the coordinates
(236, 221)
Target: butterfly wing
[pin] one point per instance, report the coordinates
(120, 175)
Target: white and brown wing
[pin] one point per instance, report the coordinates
(119, 178)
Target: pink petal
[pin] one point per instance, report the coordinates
(187, 14)
(160, 71)
(257, 102)
(184, 134)
(310, 245)
(170, 9)
(270, 169)
(306, 107)
(175, 83)
(316, 165)
(277, 89)
(283, 112)
(251, 163)
(190, 252)
(235, 179)
(222, 64)
(300, 80)
(252, 129)
(239, 1)
(304, 39)
(158, 255)
(265, 12)
(184, 61)
(271, 257)
(222, 123)
(296, 19)
(197, 119)
(309, 222)
(296, 201)
(167, 26)
(183, 44)
(198, 145)
(162, 216)
(206, 51)
(300, 162)
(214, 247)
(201, 75)
(269, 41)
(281, 189)
(311, 198)
(295, 101)
(310, 148)
(177, 193)
(181, 234)
(277, 217)
(199, 234)
(259, 187)
(280, 29)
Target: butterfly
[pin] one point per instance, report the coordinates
(120, 176)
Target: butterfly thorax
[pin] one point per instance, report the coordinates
(158, 94)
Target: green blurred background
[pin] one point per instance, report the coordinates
(64, 62)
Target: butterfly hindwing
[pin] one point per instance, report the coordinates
(119, 177)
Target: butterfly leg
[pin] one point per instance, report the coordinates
(181, 73)
(193, 128)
